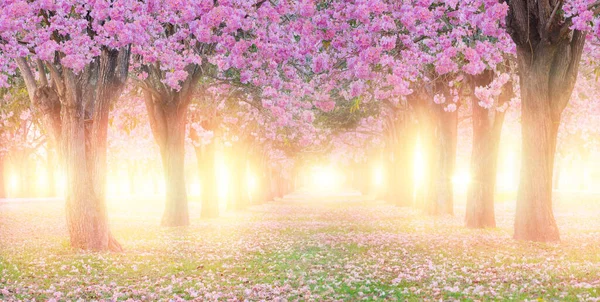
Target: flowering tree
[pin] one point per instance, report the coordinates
(492, 92)
(74, 59)
(452, 42)
(204, 133)
(211, 42)
(550, 38)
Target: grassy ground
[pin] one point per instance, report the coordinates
(295, 251)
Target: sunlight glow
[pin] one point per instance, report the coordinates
(195, 188)
(378, 175)
(14, 182)
(252, 182)
(508, 173)
(222, 177)
(325, 178)
(420, 166)
(461, 179)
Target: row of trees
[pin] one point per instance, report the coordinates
(296, 74)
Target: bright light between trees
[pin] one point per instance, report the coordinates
(325, 178)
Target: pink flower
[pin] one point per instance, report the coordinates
(320, 63)
(326, 106)
(450, 108)
(439, 99)
(388, 43)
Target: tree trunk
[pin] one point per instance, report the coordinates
(77, 124)
(547, 80)
(534, 218)
(484, 159)
(88, 97)
(167, 114)
(206, 165)
(86, 211)
(438, 139)
(548, 56)
(173, 154)
(487, 126)
(480, 196)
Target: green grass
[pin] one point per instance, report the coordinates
(295, 251)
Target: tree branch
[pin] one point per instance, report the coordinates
(27, 77)
(55, 77)
(552, 16)
(42, 72)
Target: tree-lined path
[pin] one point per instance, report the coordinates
(299, 149)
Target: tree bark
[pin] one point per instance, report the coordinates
(86, 211)
(534, 218)
(172, 150)
(75, 110)
(487, 126)
(167, 112)
(205, 155)
(84, 131)
(548, 56)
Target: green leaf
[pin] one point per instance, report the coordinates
(355, 104)
(253, 48)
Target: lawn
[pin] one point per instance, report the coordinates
(300, 251)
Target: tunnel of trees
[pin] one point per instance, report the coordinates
(266, 88)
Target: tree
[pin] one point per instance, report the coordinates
(550, 37)
(85, 50)
(203, 133)
(212, 43)
(491, 94)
